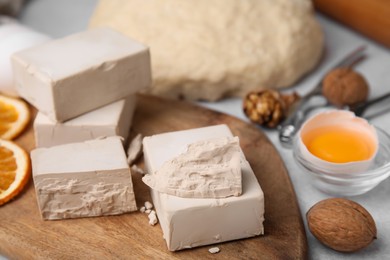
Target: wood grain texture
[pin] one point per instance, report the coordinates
(23, 235)
(370, 17)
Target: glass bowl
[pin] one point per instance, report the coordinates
(352, 183)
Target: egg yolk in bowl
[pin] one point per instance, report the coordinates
(339, 144)
(337, 141)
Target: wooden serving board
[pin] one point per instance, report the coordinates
(23, 235)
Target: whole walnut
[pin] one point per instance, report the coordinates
(343, 86)
(341, 224)
(267, 107)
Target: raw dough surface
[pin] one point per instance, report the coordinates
(213, 49)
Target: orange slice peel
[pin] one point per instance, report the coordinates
(14, 170)
(14, 117)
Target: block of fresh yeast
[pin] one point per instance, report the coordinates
(68, 77)
(85, 179)
(109, 120)
(192, 222)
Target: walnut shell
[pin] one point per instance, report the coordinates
(341, 224)
(344, 87)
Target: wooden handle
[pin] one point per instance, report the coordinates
(370, 17)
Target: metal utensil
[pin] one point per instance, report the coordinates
(288, 128)
(361, 108)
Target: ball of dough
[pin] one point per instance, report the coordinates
(213, 49)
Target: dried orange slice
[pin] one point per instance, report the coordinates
(14, 117)
(14, 170)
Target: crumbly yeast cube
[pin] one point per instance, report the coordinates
(110, 120)
(85, 179)
(192, 222)
(68, 77)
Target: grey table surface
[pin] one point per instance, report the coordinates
(59, 18)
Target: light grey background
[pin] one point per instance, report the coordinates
(58, 18)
